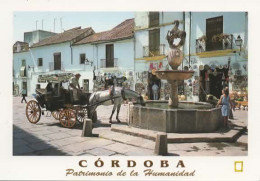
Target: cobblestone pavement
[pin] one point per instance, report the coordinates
(48, 137)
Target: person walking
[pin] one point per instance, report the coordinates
(155, 91)
(23, 92)
(226, 104)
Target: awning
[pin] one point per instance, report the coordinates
(55, 77)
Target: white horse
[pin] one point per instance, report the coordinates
(117, 97)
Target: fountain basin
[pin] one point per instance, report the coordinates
(189, 117)
(174, 74)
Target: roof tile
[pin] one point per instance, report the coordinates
(67, 35)
(123, 30)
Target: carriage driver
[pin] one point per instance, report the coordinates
(74, 84)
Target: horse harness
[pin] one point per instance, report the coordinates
(123, 93)
(96, 99)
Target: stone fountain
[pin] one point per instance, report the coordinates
(180, 117)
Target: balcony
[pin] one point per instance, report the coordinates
(23, 72)
(160, 51)
(222, 41)
(57, 67)
(106, 63)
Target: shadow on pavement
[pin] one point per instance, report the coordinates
(57, 124)
(172, 154)
(26, 144)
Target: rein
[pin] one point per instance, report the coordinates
(123, 94)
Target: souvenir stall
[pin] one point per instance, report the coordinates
(103, 80)
(239, 85)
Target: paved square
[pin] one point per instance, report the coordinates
(48, 137)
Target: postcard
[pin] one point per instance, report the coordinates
(129, 93)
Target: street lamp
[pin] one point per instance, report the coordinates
(239, 42)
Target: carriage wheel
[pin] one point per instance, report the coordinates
(67, 118)
(33, 111)
(56, 114)
(82, 114)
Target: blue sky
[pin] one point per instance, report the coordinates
(99, 21)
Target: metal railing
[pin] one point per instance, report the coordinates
(227, 43)
(112, 63)
(151, 53)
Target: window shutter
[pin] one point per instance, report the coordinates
(214, 26)
(153, 19)
(154, 42)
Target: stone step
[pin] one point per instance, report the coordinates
(230, 136)
(125, 138)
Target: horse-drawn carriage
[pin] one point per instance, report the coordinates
(58, 100)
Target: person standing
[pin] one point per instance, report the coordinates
(231, 95)
(74, 84)
(23, 92)
(226, 104)
(155, 91)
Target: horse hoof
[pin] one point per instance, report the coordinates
(118, 121)
(110, 121)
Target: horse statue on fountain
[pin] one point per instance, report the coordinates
(115, 96)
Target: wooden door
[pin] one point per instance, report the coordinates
(214, 26)
(57, 61)
(110, 55)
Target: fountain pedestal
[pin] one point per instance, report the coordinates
(173, 99)
(173, 77)
(183, 117)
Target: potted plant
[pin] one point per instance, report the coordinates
(220, 38)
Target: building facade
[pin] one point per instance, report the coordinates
(33, 37)
(52, 55)
(112, 55)
(211, 49)
(216, 48)
(98, 57)
(218, 52)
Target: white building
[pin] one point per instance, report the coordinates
(136, 46)
(98, 57)
(112, 54)
(33, 37)
(219, 54)
(52, 55)
(214, 53)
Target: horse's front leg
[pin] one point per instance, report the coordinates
(118, 110)
(110, 119)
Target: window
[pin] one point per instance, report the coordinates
(110, 55)
(82, 58)
(23, 63)
(57, 61)
(214, 26)
(39, 62)
(23, 69)
(154, 42)
(153, 19)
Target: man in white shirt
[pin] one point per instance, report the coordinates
(74, 84)
(155, 91)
